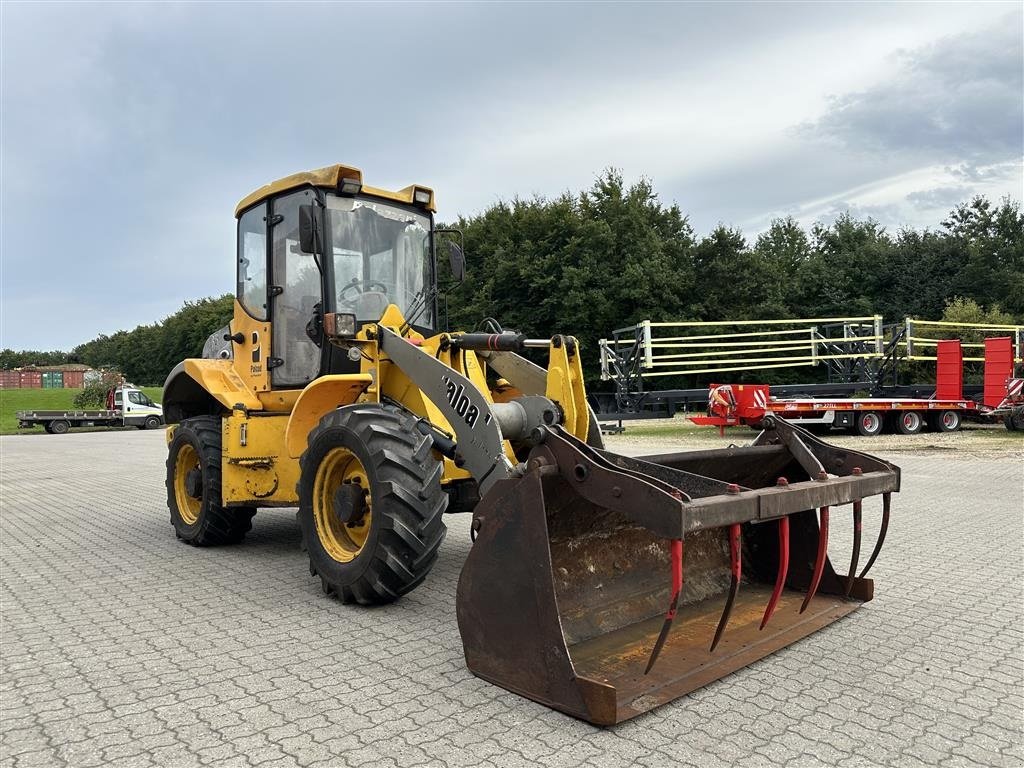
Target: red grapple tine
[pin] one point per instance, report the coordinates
(858, 525)
(886, 508)
(676, 548)
(819, 561)
(780, 578)
(734, 586)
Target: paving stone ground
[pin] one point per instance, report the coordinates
(123, 647)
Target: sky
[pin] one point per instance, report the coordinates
(129, 131)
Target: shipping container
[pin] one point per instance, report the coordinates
(53, 379)
(10, 380)
(74, 379)
(31, 379)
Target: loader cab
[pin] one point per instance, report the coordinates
(321, 242)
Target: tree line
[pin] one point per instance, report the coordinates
(614, 255)
(607, 257)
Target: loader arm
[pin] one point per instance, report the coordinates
(468, 410)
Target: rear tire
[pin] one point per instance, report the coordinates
(370, 503)
(59, 427)
(194, 487)
(945, 421)
(908, 422)
(869, 423)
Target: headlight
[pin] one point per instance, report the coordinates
(340, 325)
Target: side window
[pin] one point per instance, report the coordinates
(136, 397)
(117, 399)
(252, 261)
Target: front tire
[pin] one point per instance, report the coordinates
(194, 490)
(370, 503)
(152, 422)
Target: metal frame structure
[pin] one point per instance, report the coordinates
(860, 353)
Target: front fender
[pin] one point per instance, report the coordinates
(318, 399)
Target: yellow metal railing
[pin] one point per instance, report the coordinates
(732, 349)
(911, 342)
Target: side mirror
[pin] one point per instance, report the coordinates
(309, 233)
(457, 261)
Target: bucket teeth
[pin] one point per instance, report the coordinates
(676, 548)
(819, 560)
(886, 508)
(736, 566)
(780, 577)
(858, 526)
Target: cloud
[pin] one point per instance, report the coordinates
(939, 197)
(960, 99)
(985, 173)
(131, 130)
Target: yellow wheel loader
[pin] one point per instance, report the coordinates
(597, 584)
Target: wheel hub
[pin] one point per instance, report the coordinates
(194, 483)
(350, 503)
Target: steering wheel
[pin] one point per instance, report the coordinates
(355, 288)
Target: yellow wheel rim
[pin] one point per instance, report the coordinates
(342, 541)
(188, 506)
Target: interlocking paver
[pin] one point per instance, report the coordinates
(121, 646)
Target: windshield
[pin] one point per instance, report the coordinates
(380, 254)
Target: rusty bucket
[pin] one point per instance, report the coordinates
(604, 586)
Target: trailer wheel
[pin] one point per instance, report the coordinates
(1014, 420)
(944, 421)
(59, 427)
(908, 422)
(193, 487)
(370, 503)
(869, 423)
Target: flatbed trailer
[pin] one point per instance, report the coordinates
(944, 411)
(748, 404)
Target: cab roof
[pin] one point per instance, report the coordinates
(331, 177)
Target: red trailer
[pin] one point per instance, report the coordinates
(737, 404)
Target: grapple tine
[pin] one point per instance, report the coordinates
(736, 566)
(858, 525)
(819, 561)
(780, 578)
(676, 548)
(886, 508)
